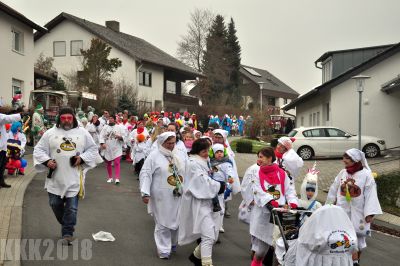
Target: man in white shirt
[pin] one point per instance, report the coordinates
(66, 150)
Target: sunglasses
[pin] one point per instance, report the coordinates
(66, 118)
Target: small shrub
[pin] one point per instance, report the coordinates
(388, 188)
(244, 146)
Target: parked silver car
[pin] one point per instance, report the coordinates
(332, 142)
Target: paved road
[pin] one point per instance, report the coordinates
(118, 209)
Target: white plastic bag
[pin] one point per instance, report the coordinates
(103, 236)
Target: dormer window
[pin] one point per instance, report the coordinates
(327, 70)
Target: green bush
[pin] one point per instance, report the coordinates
(244, 146)
(388, 187)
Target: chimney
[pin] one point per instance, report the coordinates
(113, 24)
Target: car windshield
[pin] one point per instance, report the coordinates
(292, 133)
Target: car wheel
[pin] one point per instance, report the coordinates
(371, 150)
(305, 152)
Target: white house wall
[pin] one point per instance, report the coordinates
(13, 64)
(68, 31)
(156, 91)
(380, 111)
(317, 104)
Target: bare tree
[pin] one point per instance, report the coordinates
(45, 64)
(192, 45)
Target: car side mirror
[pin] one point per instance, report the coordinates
(347, 135)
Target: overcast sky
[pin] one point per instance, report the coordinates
(284, 37)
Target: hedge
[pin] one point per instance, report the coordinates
(388, 187)
(244, 146)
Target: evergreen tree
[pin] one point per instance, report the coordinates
(234, 59)
(215, 63)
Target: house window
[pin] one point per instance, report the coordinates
(144, 106)
(310, 120)
(327, 70)
(302, 121)
(76, 47)
(314, 119)
(145, 78)
(17, 41)
(59, 48)
(271, 101)
(327, 111)
(17, 86)
(285, 101)
(318, 119)
(171, 87)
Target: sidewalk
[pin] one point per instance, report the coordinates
(11, 200)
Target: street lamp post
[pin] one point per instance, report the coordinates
(261, 84)
(360, 81)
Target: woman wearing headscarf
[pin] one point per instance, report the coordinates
(198, 220)
(354, 189)
(161, 179)
(271, 188)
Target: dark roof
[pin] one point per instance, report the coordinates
(272, 83)
(346, 75)
(18, 16)
(329, 53)
(138, 48)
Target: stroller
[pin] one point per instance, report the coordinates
(288, 222)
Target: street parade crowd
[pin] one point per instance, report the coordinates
(187, 177)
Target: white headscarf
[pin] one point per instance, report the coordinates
(358, 156)
(218, 147)
(286, 141)
(167, 153)
(222, 132)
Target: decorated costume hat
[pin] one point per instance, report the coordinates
(39, 107)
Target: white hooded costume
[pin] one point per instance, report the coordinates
(326, 238)
(361, 200)
(158, 182)
(309, 181)
(236, 184)
(196, 215)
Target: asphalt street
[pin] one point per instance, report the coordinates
(119, 210)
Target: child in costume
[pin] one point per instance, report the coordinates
(15, 149)
(139, 151)
(309, 190)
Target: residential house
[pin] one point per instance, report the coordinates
(335, 102)
(157, 75)
(257, 83)
(16, 53)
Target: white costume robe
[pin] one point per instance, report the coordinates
(139, 151)
(157, 183)
(114, 146)
(360, 206)
(247, 203)
(326, 238)
(94, 131)
(53, 145)
(260, 227)
(292, 163)
(196, 214)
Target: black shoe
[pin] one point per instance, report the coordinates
(194, 260)
(227, 214)
(5, 185)
(20, 173)
(356, 264)
(217, 208)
